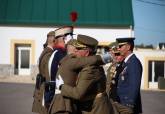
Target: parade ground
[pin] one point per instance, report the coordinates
(17, 98)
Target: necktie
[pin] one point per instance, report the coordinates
(123, 64)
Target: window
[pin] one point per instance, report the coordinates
(156, 69)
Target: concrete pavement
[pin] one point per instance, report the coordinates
(16, 98)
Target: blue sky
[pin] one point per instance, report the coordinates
(149, 19)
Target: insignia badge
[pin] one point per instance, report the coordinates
(122, 77)
(113, 81)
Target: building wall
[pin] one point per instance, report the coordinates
(145, 55)
(38, 34)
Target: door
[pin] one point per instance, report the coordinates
(23, 60)
(156, 70)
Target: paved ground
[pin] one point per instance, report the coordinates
(17, 79)
(16, 98)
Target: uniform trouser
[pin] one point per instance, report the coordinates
(121, 109)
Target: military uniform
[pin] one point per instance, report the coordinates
(72, 65)
(129, 80)
(43, 69)
(113, 71)
(112, 75)
(89, 89)
(111, 80)
(60, 50)
(57, 55)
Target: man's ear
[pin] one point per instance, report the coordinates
(128, 47)
(87, 52)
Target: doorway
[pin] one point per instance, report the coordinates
(22, 59)
(156, 70)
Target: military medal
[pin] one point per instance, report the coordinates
(122, 77)
(113, 81)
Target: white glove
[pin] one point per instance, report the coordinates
(108, 57)
(57, 91)
(59, 82)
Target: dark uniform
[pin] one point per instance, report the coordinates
(90, 86)
(60, 50)
(42, 77)
(129, 81)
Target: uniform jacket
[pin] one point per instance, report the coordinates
(68, 70)
(60, 53)
(129, 83)
(111, 72)
(91, 81)
(43, 69)
(112, 80)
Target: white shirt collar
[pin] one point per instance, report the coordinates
(50, 47)
(126, 59)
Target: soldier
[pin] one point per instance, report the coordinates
(68, 70)
(129, 80)
(113, 70)
(70, 46)
(43, 74)
(61, 35)
(112, 74)
(89, 88)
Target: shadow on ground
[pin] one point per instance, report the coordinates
(16, 98)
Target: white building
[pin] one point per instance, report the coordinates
(25, 24)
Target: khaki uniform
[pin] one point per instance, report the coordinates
(111, 72)
(43, 69)
(89, 91)
(68, 70)
(111, 86)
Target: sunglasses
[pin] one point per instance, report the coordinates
(117, 54)
(79, 48)
(121, 45)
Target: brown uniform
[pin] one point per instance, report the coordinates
(111, 85)
(68, 70)
(111, 72)
(43, 69)
(89, 91)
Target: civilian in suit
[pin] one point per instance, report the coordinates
(129, 80)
